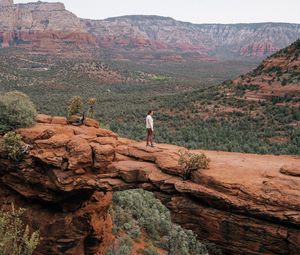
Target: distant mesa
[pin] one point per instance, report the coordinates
(46, 7)
(6, 3)
(53, 28)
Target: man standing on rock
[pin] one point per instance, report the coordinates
(149, 127)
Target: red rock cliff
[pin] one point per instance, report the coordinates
(50, 27)
(42, 26)
(243, 202)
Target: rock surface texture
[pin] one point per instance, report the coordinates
(243, 202)
(49, 26)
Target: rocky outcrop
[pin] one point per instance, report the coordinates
(243, 202)
(258, 49)
(42, 25)
(277, 78)
(4, 3)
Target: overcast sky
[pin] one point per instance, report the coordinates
(196, 11)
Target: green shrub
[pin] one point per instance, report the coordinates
(12, 145)
(141, 210)
(15, 238)
(135, 233)
(123, 246)
(127, 226)
(150, 251)
(16, 111)
(104, 126)
(191, 162)
(251, 87)
(91, 102)
(74, 105)
(184, 242)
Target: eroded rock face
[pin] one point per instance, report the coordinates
(41, 25)
(141, 33)
(4, 3)
(274, 77)
(243, 202)
(50, 27)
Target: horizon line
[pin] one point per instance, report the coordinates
(160, 16)
(205, 23)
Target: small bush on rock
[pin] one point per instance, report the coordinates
(12, 145)
(74, 105)
(91, 102)
(16, 111)
(15, 237)
(191, 162)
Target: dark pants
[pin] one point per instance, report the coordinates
(149, 136)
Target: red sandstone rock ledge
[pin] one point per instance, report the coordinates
(245, 203)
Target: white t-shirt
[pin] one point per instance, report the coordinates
(149, 122)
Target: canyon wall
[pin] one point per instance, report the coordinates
(50, 27)
(41, 25)
(206, 40)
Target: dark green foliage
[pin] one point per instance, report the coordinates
(251, 87)
(74, 105)
(140, 210)
(123, 247)
(15, 237)
(184, 242)
(284, 82)
(150, 251)
(274, 69)
(12, 145)
(16, 111)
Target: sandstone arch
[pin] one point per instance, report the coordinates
(243, 203)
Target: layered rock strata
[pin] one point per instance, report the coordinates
(243, 202)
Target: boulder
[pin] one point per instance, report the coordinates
(133, 171)
(43, 131)
(91, 131)
(290, 170)
(91, 123)
(106, 140)
(59, 120)
(103, 155)
(43, 118)
(79, 153)
(168, 162)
